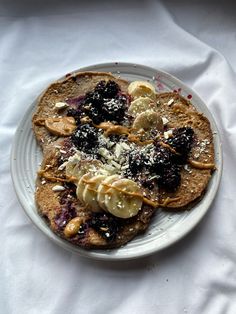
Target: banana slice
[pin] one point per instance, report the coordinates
(90, 192)
(141, 89)
(124, 198)
(77, 168)
(102, 189)
(81, 186)
(141, 104)
(148, 120)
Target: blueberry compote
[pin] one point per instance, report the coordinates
(66, 214)
(106, 225)
(67, 209)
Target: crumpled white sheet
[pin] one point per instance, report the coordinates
(193, 40)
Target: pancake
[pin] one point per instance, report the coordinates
(60, 207)
(181, 113)
(59, 92)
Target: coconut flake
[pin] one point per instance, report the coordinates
(125, 146)
(62, 151)
(62, 166)
(58, 188)
(168, 134)
(115, 164)
(118, 150)
(170, 102)
(61, 105)
(165, 120)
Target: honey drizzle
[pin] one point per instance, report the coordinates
(135, 139)
(42, 173)
(169, 147)
(40, 122)
(145, 199)
(119, 129)
(112, 128)
(123, 191)
(201, 165)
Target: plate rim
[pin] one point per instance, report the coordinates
(96, 254)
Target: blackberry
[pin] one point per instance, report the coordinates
(114, 109)
(93, 98)
(75, 113)
(85, 138)
(94, 114)
(169, 178)
(104, 103)
(162, 159)
(149, 184)
(105, 225)
(182, 140)
(100, 87)
(92, 106)
(136, 163)
(107, 90)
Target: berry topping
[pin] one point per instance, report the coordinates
(75, 101)
(66, 214)
(114, 109)
(136, 162)
(149, 184)
(182, 140)
(75, 113)
(162, 158)
(107, 90)
(93, 98)
(170, 178)
(86, 138)
(105, 225)
(100, 87)
(94, 113)
(104, 103)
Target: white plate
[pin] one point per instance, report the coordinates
(165, 228)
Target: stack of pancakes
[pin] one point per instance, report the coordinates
(53, 202)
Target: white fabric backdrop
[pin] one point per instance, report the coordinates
(195, 41)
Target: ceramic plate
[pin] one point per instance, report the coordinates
(165, 228)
